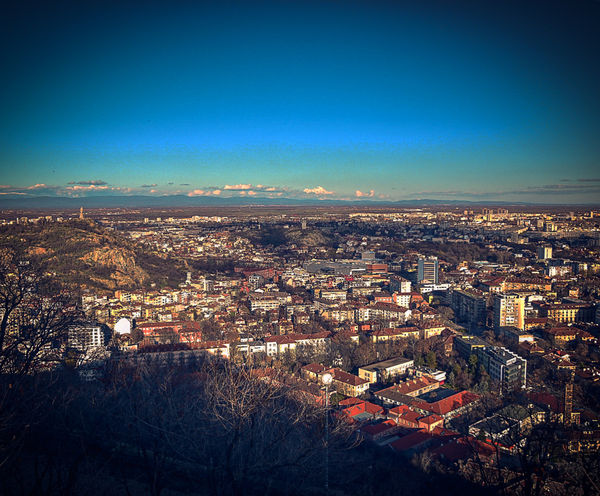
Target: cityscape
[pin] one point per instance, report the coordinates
(439, 343)
(300, 248)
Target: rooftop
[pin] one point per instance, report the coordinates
(392, 362)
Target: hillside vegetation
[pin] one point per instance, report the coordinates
(86, 254)
(276, 236)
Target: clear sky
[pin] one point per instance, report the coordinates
(473, 100)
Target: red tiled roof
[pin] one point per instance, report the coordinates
(463, 448)
(411, 416)
(411, 385)
(563, 331)
(441, 432)
(395, 332)
(431, 419)
(314, 367)
(279, 339)
(364, 407)
(398, 410)
(546, 399)
(347, 378)
(374, 429)
(411, 440)
(446, 405)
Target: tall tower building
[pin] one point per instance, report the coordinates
(544, 252)
(81, 213)
(568, 401)
(509, 311)
(427, 270)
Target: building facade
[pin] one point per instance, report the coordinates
(427, 270)
(509, 310)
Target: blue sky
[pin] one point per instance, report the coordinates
(350, 100)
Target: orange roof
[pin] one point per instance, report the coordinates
(412, 440)
(364, 407)
(431, 419)
(314, 368)
(463, 448)
(446, 405)
(399, 410)
(395, 332)
(347, 378)
(411, 385)
(374, 429)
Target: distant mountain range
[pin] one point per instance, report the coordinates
(108, 201)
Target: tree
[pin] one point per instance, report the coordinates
(431, 360)
(35, 314)
(473, 364)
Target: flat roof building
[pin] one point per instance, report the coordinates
(385, 370)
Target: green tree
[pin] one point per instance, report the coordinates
(473, 364)
(431, 360)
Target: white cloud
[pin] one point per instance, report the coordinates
(360, 194)
(91, 187)
(237, 187)
(319, 190)
(95, 182)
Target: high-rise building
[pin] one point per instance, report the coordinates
(427, 271)
(400, 284)
(504, 367)
(469, 308)
(568, 401)
(509, 310)
(488, 214)
(544, 252)
(86, 336)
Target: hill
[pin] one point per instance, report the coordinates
(27, 202)
(85, 254)
(277, 236)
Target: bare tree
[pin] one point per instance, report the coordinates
(34, 317)
(222, 427)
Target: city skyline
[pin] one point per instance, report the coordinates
(380, 101)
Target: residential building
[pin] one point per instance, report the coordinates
(312, 371)
(504, 367)
(544, 252)
(469, 308)
(399, 394)
(516, 336)
(385, 370)
(427, 270)
(347, 383)
(84, 337)
(467, 345)
(395, 334)
(568, 312)
(509, 310)
(400, 285)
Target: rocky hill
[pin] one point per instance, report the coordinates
(276, 236)
(88, 255)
